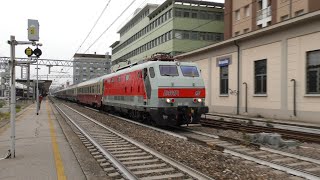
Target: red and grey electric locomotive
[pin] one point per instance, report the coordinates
(160, 90)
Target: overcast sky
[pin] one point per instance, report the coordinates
(63, 25)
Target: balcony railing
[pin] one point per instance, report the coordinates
(264, 13)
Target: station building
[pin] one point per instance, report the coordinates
(243, 16)
(174, 27)
(88, 66)
(273, 71)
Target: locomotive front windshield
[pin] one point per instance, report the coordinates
(190, 71)
(168, 70)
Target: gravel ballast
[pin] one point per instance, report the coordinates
(311, 150)
(206, 160)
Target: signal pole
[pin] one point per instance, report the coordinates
(33, 36)
(13, 97)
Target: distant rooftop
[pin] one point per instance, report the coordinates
(187, 2)
(137, 14)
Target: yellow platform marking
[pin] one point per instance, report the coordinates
(55, 147)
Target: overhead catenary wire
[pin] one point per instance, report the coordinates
(95, 41)
(105, 29)
(94, 25)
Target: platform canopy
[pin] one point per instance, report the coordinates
(43, 84)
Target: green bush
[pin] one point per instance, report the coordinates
(4, 116)
(2, 103)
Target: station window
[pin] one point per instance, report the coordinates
(224, 79)
(186, 14)
(178, 13)
(313, 72)
(178, 34)
(194, 14)
(260, 79)
(237, 15)
(247, 11)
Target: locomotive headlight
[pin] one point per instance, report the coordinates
(199, 100)
(168, 100)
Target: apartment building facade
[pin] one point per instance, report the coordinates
(243, 16)
(88, 66)
(273, 72)
(174, 27)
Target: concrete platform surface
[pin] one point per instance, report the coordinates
(42, 151)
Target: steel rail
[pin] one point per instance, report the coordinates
(303, 136)
(143, 125)
(293, 171)
(273, 165)
(127, 173)
(192, 172)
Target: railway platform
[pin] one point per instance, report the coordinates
(42, 150)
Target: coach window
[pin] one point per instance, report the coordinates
(260, 72)
(151, 71)
(313, 72)
(224, 80)
(127, 77)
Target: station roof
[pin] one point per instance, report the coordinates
(43, 84)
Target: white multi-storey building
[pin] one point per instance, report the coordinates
(88, 66)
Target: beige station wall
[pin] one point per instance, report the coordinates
(203, 65)
(272, 53)
(297, 52)
(223, 103)
(285, 51)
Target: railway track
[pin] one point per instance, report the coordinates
(297, 165)
(293, 164)
(122, 157)
(249, 128)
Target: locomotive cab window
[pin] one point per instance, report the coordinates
(151, 71)
(168, 70)
(189, 71)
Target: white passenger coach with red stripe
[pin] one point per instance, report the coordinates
(161, 90)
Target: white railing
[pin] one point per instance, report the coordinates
(264, 13)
